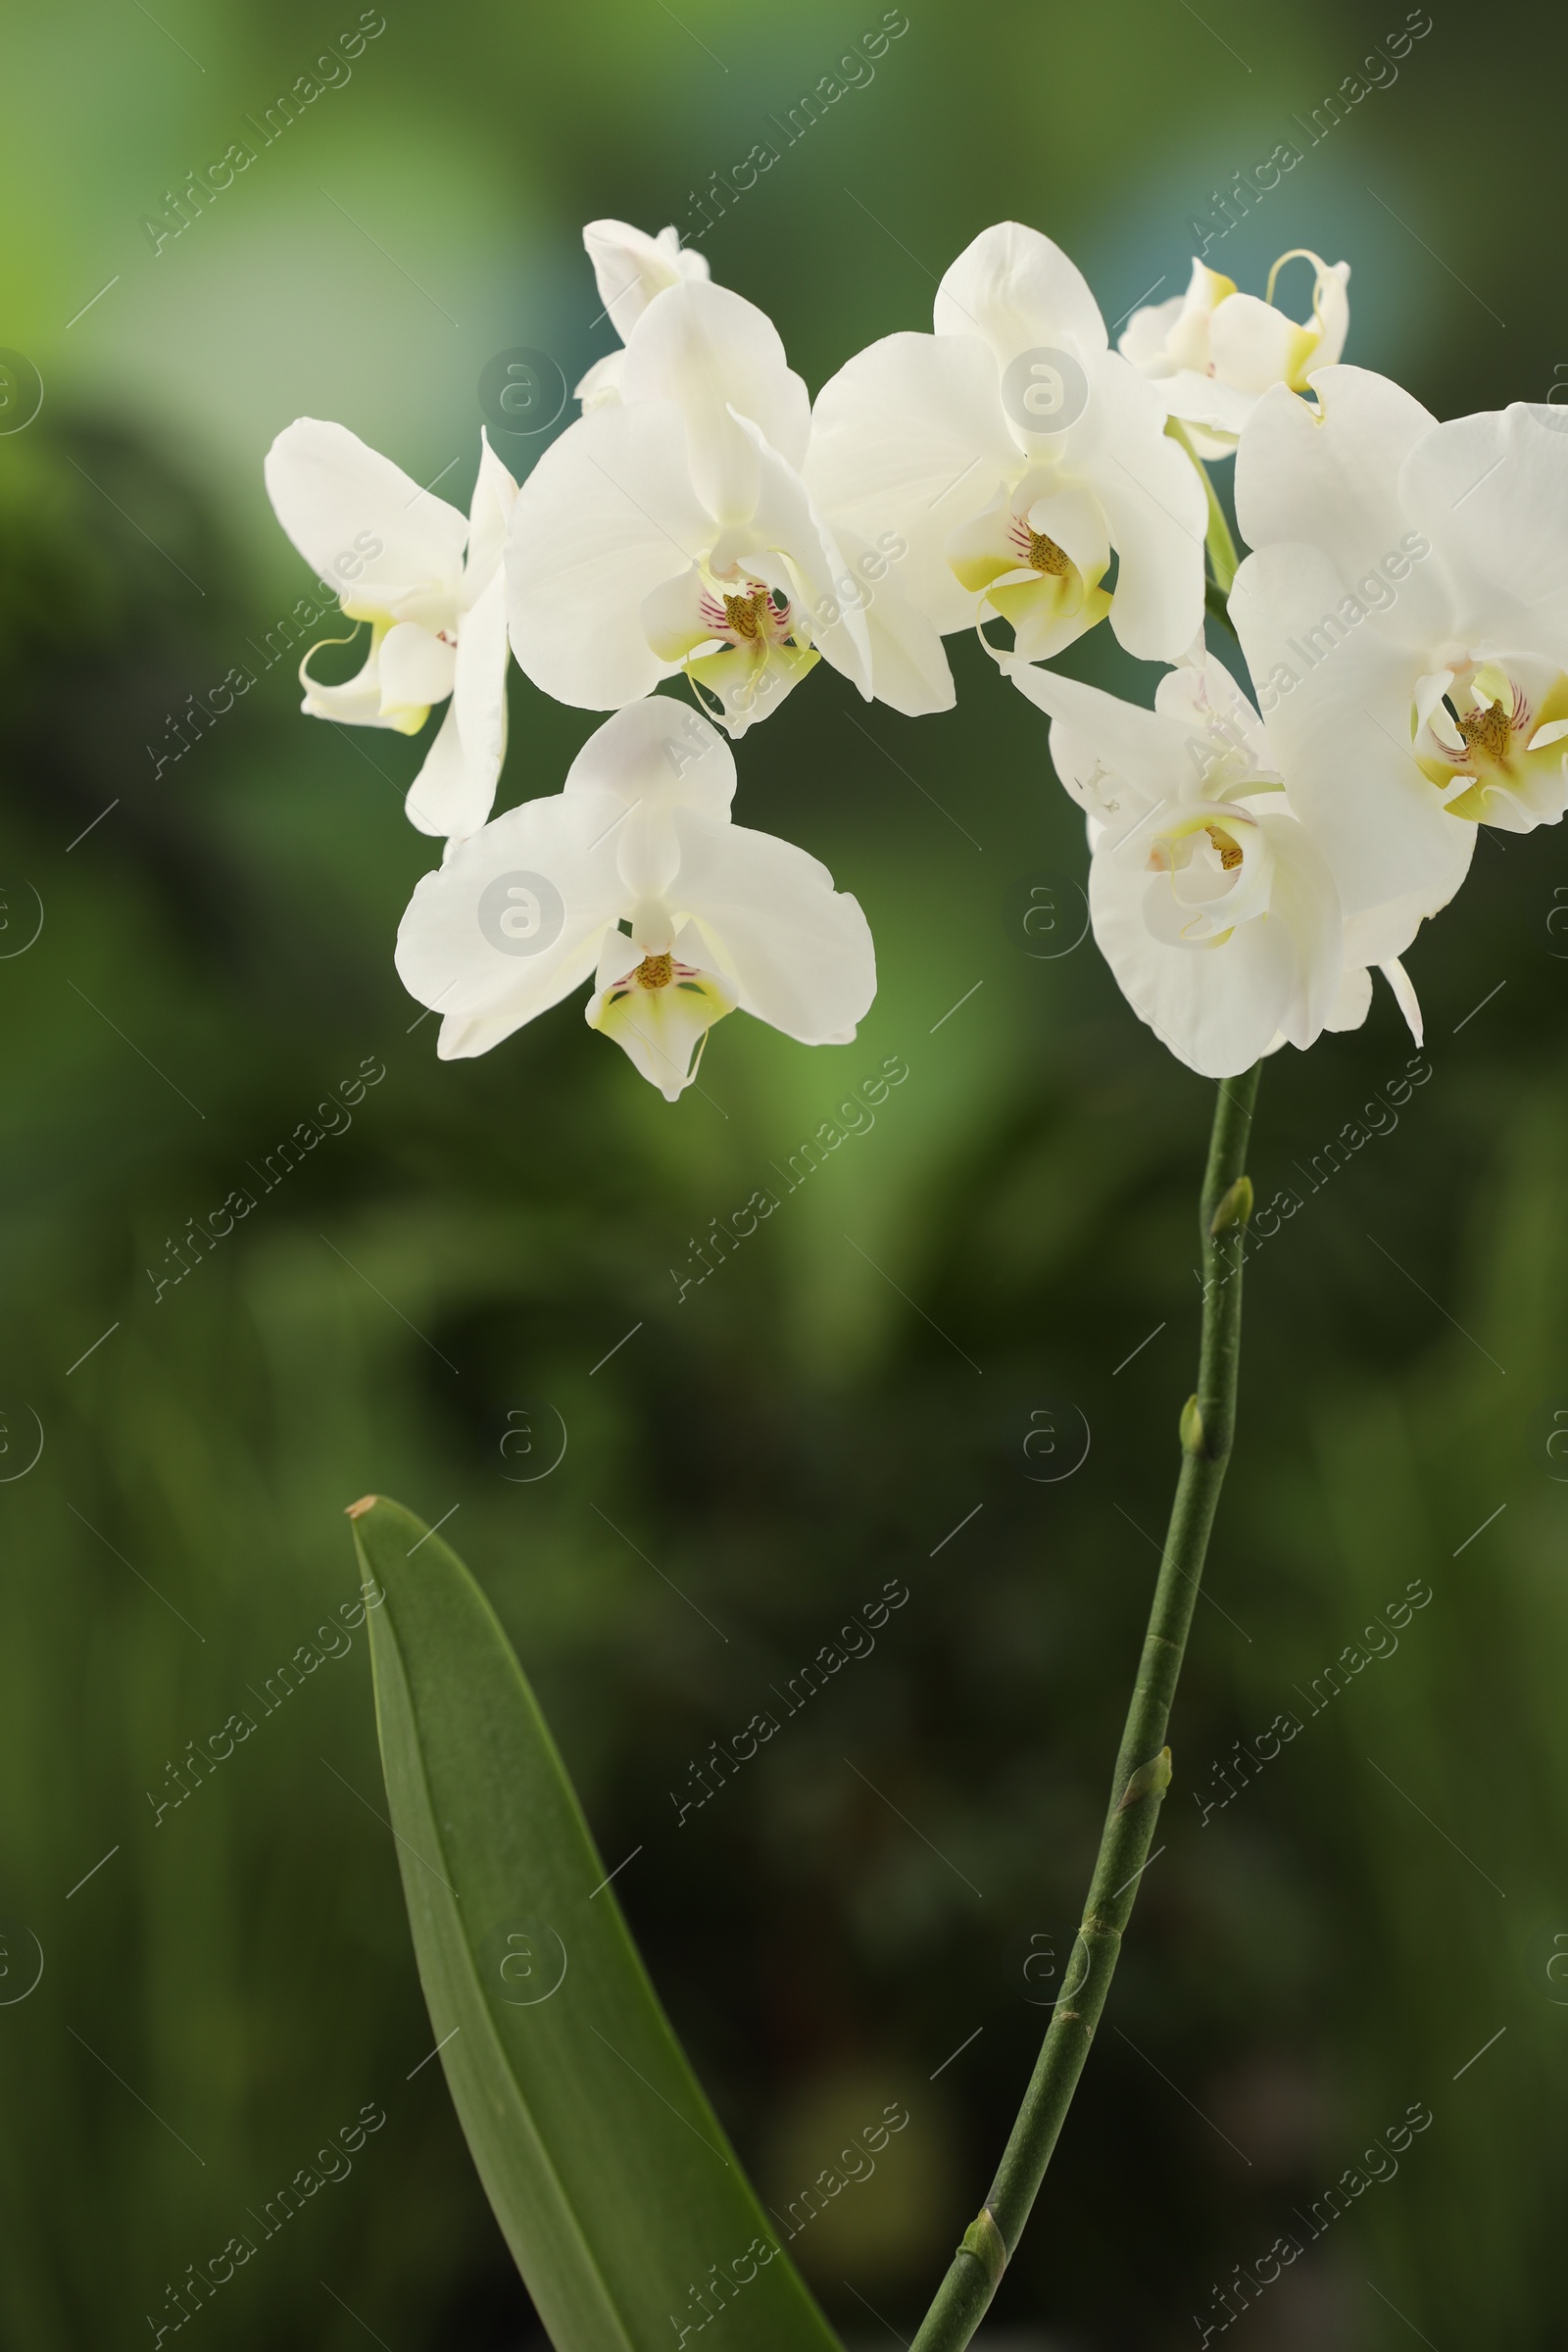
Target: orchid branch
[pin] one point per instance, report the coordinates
(1142, 1766)
(1222, 556)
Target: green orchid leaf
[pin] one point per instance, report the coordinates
(622, 2201)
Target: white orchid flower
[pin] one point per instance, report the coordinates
(1015, 451)
(670, 533)
(1210, 901)
(629, 268)
(438, 624)
(1211, 353)
(1492, 490)
(634, 875)
(1405, 614)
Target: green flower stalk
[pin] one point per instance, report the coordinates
(1143, 1770)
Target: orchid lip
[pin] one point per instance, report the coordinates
(653, 972)
(757, 616)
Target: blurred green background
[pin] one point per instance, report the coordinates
(426, 1304)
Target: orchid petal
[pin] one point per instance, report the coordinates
(1155, 507)
(1492, 491)
(451, 793)
(1205, 400)
(660, 1029)
(718, 358)
(909, 669)
(798, 952)
(357, 701)
(1331, 302)
(1337, 700)
(334, 495)
(1218, 1007)
(600, 388)
(513, 921)
(1207, 699)
(908, 441)
(478, 714)
(747, 688)
(1146, 338)
(1330, 478)
(1215, 1008)
(607, 515)
(1404, 996)
(654, 758)
(489, 513)
(630, 267)
(1018, 292)
(786, 519)
(1352, 1001)
(416, 670)
(657, 750)
(1116, 758)
(1254, 345)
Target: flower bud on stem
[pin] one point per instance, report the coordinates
(1142, 1767)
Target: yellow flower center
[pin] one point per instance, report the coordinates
(1230, 856)
(1045, 555)
(1487, 734)
(747, 618)
(656, 971)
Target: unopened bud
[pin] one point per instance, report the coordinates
(1149, 1780)
(1192, 1426)
(1235, 1207)
(985, 2241)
